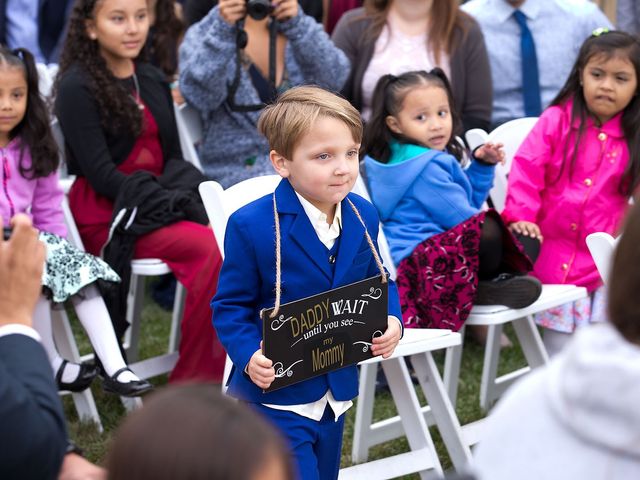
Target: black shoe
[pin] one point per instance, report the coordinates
(110, 384)
(513, 291)
(85, 376)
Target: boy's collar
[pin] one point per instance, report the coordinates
(316, 216)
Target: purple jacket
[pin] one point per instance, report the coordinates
(41, 198)
(568, 207)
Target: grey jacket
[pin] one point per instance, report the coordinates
(208, 67)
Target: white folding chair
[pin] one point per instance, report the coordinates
(511, 134)
(140, 269)
(190, 130)
(494, 316)
(220, 204)
(602, 245)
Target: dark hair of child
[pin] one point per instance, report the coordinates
(167, 32)
(194, 432)
(609, 45)
(34, 129)
(388, 99)
(117, 111)
(624, 303)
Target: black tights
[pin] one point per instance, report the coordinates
(491, 248)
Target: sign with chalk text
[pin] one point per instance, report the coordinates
(325, 332)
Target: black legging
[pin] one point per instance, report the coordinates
(491, 253)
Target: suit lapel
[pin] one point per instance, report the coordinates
(350, 240)
(301, 232)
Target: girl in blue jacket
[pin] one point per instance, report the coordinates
(449, 254)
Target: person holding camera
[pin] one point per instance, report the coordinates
(239, 58)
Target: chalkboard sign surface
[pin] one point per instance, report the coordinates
(325, 332)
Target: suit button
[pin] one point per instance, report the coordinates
(602, 136)
(587, 182)
(565, 266)
(574, 227)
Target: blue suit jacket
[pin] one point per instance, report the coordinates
(32, 427)
(247, 284)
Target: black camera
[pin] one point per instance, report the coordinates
(259, 9)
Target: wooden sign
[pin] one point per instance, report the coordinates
(325, 332)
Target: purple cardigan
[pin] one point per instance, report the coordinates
(41, 197)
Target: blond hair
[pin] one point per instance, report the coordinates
(287, 120)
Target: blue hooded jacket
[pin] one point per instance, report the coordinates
(425, 195)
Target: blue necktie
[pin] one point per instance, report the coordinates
(530, 78)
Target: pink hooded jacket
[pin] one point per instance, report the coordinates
(39, 197)
(567, 207)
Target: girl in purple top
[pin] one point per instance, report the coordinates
(30, 184)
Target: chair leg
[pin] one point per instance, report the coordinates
(442, 409)
(406, 400)
(134, 314)
(364, 412)
(490, 366)
(66, 344)
(531, 342)
(452, 361)
(176, 318)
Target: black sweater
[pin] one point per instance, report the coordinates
(94, 153)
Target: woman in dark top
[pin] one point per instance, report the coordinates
(397, 36)
(118, 121)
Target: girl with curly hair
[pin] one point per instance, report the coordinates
(117, 117)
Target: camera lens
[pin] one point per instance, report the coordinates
(259, 9)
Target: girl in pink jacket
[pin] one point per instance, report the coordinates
(573, 175)
(30, 185)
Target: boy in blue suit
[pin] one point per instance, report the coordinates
(314, 137)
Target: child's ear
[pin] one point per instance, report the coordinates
(279, 164)
(393, 124)
(90, 25)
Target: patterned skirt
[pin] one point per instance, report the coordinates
(437, 283)
(68, 270)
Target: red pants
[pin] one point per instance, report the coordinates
(190, 250)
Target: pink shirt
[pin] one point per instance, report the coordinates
(41, 197)
(568, 207)
(397, 53)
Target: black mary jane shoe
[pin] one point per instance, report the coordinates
(110, 384)
(86, 375)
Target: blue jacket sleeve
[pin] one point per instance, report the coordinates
(234, 305)
(481, 178)
(34, 436)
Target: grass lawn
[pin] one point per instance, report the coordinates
(155, 332)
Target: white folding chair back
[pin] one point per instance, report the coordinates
(45, 80)
(602, 245)
(220, 203)
(190, 130)
(476, 137)
(511, 134)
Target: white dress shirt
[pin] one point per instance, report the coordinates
(18, 328)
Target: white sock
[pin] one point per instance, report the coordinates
(42, 325)
(555, 341)
(94, 316)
